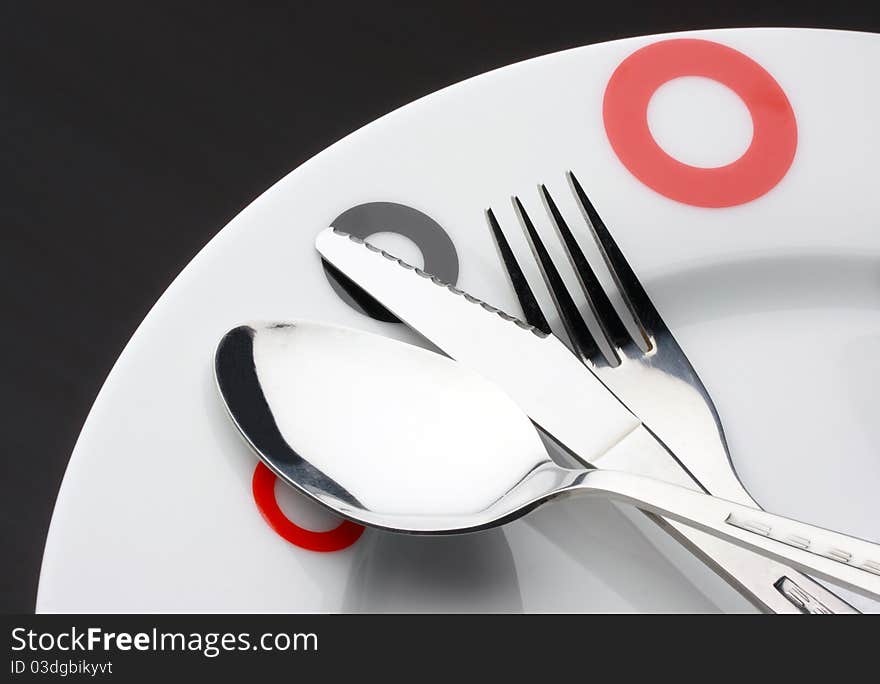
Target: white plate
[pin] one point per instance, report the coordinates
(776, 301)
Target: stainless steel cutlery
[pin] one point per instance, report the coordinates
(462, 452)
(547, 381)
(455, 453)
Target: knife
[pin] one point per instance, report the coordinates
(559, 394)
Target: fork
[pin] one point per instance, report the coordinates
(651, 374)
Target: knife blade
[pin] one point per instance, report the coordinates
(491, 343)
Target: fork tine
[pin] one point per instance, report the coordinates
(581, 339)
(637, 301)
(534, 316)
(610, 323)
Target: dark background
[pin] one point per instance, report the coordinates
(131, 133)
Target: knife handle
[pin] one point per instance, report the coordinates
(767, 584)
(852, 562)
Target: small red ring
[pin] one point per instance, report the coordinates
(758, 170)
(341, 537)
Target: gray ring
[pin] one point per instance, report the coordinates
(364, 220)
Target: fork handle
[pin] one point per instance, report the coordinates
(846, 560)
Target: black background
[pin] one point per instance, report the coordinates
(131, 133)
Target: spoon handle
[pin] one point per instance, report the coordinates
(836, 557)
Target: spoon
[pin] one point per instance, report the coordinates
(400, 438)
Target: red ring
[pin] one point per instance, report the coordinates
(341, 537)
(625, 111)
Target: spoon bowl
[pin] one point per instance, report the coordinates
(382, 432)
